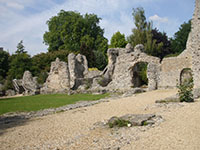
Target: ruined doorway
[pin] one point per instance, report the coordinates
(186, 75)
(139, 75)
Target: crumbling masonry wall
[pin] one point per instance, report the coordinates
(127, 59)
(171, 69)
(194, 45)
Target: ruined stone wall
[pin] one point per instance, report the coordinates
(194, 44)
(78, 68)
(58, 80)
(64, 77)
(122, 76)
(171, 70)
(27, 85)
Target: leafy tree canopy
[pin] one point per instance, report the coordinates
(118, 40)
(69, 30)
(161, 37)
(4, 63)
(18, 63)
(76, 33)
(178, 42)
(20, 48)
(155, 42)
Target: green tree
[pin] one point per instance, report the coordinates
(143, 34)
(68, 29)
(118, 40)
(100, 60)
(178, 42)
(4, 64)
(20, 48)
(19, 62)
(138, 35)
(161, 37)
(74, 32)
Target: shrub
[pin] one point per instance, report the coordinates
(119, 123)
(185, 91)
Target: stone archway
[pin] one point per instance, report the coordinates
(185, 75)
(139, 75)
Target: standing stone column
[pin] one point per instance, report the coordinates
(194, 45)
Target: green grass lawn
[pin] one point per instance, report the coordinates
(38, 102)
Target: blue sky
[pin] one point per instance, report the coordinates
(26, 19)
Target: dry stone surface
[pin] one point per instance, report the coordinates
(123, 75)
(78, 68)
(58, 80)
(135, 119)
(30, 83)
(27, 85)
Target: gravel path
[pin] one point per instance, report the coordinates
(78, 129)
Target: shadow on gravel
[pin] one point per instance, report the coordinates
(7, 122)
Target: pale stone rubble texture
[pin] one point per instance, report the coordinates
(30, 83)
(78, 68)
(120, 75)
(58, 80)
(123, 76)
(27, 85)
(194, 45)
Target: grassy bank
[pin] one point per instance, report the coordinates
(38, 102)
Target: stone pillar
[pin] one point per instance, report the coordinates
(152, 75)
(194, 45)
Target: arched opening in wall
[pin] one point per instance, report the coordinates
(186, 75)
(139, 75)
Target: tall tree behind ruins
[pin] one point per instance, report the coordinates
(155, 42)
(76, 33)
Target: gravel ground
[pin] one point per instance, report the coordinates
(82, 129)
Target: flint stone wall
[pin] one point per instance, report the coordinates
(122, 75)
(27, 85)
(30, 84)
(65, 77)
(194, 44)
(78, 68)
(171, 69)
(58, 80)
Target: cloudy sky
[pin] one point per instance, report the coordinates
(26, 19)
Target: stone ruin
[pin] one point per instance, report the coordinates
(27, 85)
(120, 75)
(58, 80)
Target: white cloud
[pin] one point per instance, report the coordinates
(164, 24)
(158, 19)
